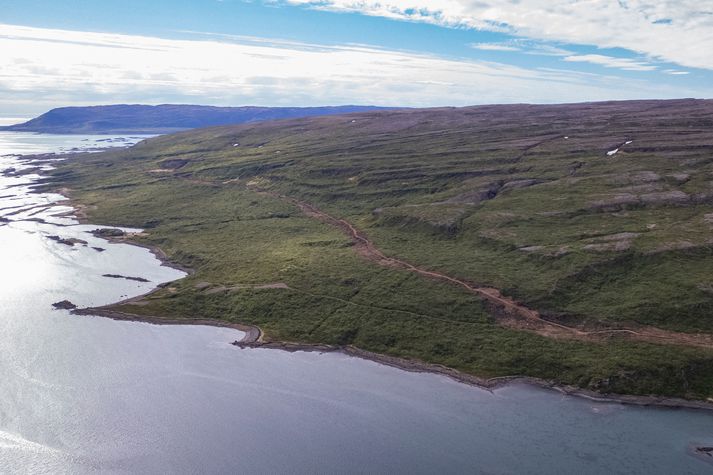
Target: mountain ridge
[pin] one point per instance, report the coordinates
(164, 118)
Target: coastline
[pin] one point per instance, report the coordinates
(252, 333)
(489, 384)
(254, 338)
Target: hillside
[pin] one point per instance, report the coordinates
(566, 242)
(143, 119)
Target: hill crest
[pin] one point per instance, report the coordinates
(164, 118)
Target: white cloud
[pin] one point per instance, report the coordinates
(548, 50)
(678, 31)
(42, 68)
(676, 72)
(494, 47)
(611, 62)
(525, 46)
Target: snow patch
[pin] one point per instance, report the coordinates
(616, 150)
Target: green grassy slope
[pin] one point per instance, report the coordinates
(494, 195)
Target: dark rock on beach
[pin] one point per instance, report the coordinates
(68, 241)
(705, 451)
(117, 276)
(108, 232)
(64, 305)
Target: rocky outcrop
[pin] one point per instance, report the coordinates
(474, 197)
(680, 177)
(615, 202)
(621, 200)
(68, 241)
(704, 452)
(173, 164)
(516, 184)
(665, 197)
(615, 246)
(108, 232)
(64, 305)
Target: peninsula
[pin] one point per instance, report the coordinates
(162, 119)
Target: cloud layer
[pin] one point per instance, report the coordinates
(678, 31)
(42, 68)
(610, 62)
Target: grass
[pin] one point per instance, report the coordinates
(464, 191)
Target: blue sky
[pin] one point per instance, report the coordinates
(390, 52)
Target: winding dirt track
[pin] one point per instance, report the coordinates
(509, 312)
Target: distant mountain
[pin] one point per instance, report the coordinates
(166, 118)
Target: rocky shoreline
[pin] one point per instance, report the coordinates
(252, 333)
(254, 339)
(483, 383)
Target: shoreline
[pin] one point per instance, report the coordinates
(488, 384)
(252, 333)
(254, 338)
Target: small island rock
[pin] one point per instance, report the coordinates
(64, 305)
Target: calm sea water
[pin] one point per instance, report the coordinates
(86, 394)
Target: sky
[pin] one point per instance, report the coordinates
(416, 53)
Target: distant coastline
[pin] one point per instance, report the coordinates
(122, 119)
